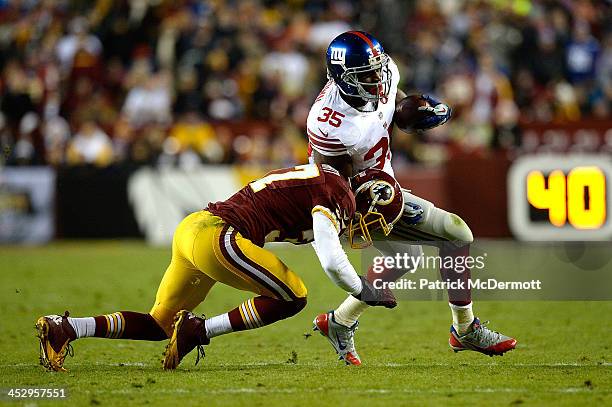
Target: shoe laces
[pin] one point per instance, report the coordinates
(200, 347)
(485, 335)
(68, 351)
(347, 335)
(200, 354)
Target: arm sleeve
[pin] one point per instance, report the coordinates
(331, 254)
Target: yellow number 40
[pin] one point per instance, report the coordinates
(580, 197)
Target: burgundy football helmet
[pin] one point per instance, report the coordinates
(380, 204)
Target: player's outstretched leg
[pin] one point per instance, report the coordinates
(466, 332)
(345, 317)
(339, 326)
(453, 238)
(221, 254)
(191, 331)
(341, 337)
(56, 332)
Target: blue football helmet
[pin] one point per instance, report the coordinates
(357, 63)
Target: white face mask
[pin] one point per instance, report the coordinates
(382, 87)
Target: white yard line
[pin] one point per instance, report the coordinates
(318, 390)
(320, 365)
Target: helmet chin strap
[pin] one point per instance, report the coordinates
(381, 95)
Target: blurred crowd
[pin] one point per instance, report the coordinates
(187, 82)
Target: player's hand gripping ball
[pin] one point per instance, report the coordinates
(420, 112)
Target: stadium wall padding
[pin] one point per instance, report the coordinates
(477, 190)
(92, 202)
(129, 202)
(26, 205)
(161, 198)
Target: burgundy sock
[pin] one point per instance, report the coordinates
(129, 325)
(456, 296)
(386, 275)
(260, 311)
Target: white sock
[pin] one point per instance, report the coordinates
(218, 325)
(349, 311)
(83, 327)
(462, 317)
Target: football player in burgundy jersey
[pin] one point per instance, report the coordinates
(224, 243)
(349, 127)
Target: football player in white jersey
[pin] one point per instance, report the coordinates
(349, 127)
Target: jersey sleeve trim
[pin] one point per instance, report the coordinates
(326, 146)
(330, 169)
(326, 152)
(328, 214)
(323, 139)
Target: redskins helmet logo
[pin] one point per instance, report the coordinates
(382, 193)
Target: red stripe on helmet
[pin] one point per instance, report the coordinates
(367, 40)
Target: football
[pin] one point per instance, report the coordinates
(407, 114)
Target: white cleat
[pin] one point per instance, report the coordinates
(341, 337)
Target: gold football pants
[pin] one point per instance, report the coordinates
(205, 250)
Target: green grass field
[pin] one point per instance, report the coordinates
(564, 356)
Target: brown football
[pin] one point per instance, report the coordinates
(407, 112)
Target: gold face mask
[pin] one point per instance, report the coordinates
(381, 193)
(359, 229)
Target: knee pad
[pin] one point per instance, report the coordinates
(456, 230)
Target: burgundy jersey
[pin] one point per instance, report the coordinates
(279, 206)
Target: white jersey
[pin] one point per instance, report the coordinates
(335, 128)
